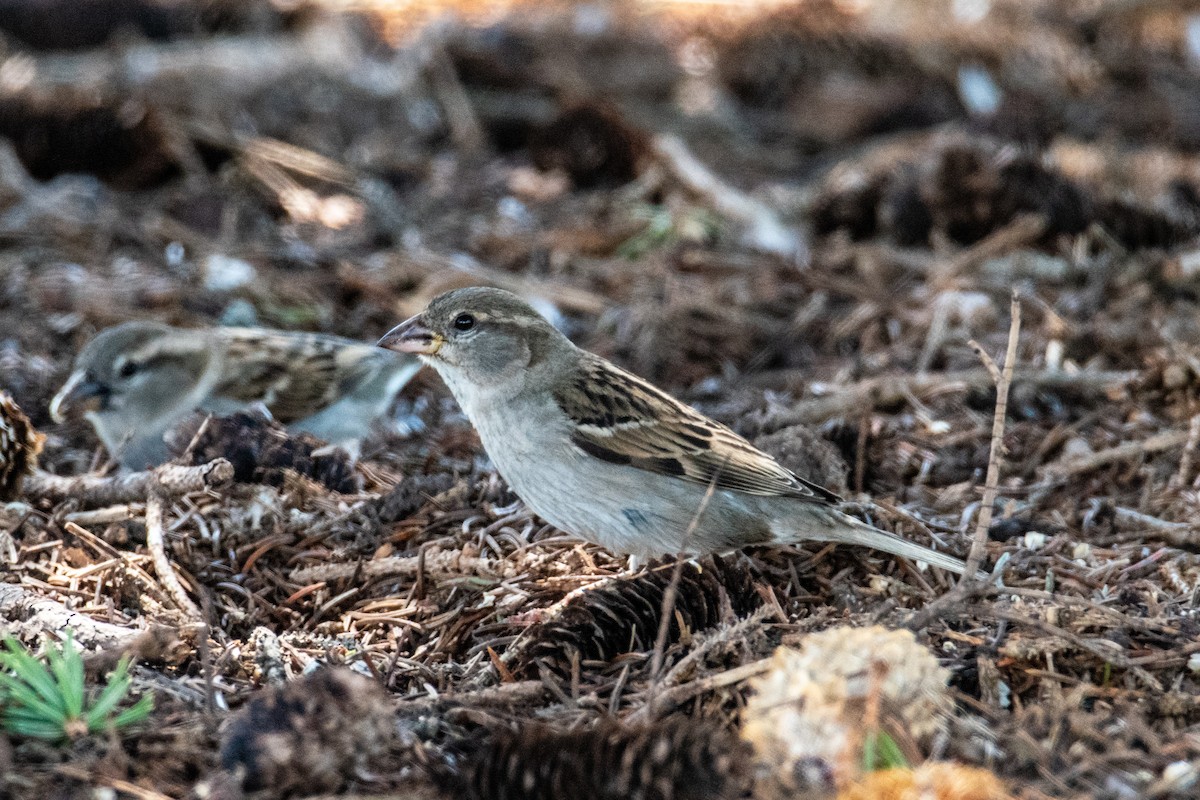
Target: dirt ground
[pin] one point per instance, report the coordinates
(796, 218)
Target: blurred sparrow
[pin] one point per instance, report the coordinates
(603, 455)
(135, 381)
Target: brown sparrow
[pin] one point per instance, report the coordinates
(603, 455)
(135, 381)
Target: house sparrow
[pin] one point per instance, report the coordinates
(603, 455)
(135, 381)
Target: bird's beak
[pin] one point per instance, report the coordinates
(411, 336)
(77, 397)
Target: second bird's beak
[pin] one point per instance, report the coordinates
(411, 336)
(77, 397)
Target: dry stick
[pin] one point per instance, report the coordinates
(295, 159)
(107, 515)
(116, 784)
(942, 606)
(90, 490)
(155, 543)
(1122, 452)
(1182, 535)
(1021, 231)
(723, 635)
(765, 230)
(669, 594)
(854, 399)
(234, 65)
(22, 609)
(206, 661)
(438, 565)
(1105, 652)
(991, 484)
(465, 129)
(1189, 451)
(681, 694)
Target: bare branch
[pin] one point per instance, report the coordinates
(169, 480)
(155, 542)
(991, 484)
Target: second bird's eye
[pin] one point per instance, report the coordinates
(127, 369)
(464, 322)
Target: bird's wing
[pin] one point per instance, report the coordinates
(295, 375)
(621, 419)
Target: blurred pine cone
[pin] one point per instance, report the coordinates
(20, 444)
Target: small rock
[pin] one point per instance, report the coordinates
(1035, 540)
(224, 273)
(1076, 447)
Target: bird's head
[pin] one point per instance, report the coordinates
(480, 339)
(130, 375)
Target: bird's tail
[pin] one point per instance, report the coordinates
(831, 525)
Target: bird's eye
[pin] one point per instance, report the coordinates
(128, 369)
(464, 322)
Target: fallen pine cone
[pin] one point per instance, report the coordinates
(625, 613)
(263, 451)
(20, 444)
(669, 760)
(310, 735)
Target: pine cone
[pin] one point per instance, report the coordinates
(20, 444)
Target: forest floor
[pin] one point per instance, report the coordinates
(795, 220)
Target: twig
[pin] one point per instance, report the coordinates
(1189, 451)
(667, 610)
(438, 565)
(1021, 231)
(1184, 535)
(465, 130)
(942, 607)
(106, 516)
(1119, 619)
(22, 609)
(1165, 658)
(724, 634)
(988, 363)
(115, 784)
(1107, 654)
(232, 65)
(500, 696)
(888, 390)
(206, 661)
(135, 487)
(764, 230)
(1167, 440)
(294, 159)
(991, 486)
(155, 543)
(680, 694)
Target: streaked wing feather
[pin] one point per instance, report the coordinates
(294, 375)
(622, 419)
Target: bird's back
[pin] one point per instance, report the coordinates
(295, 375)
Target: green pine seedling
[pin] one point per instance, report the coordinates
(664, 228)
(50, 700)
(880, 751)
